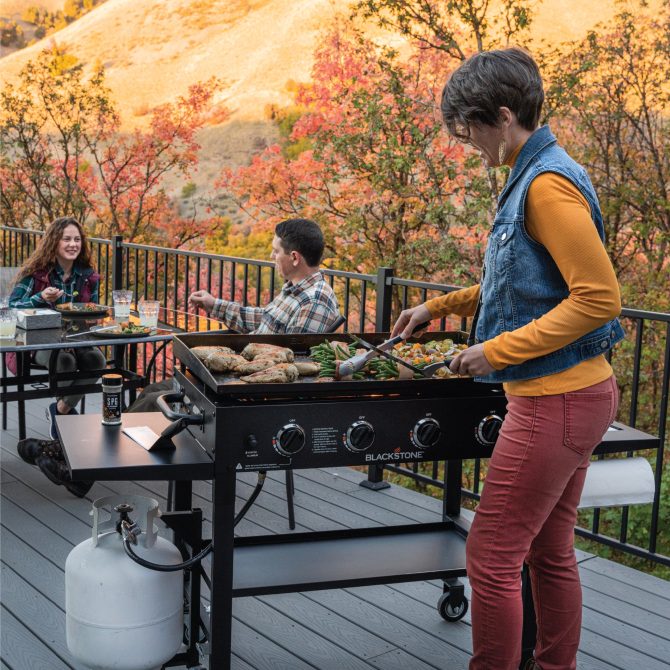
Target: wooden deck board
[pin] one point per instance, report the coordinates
(626, 615)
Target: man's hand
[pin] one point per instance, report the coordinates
(472, 362)
(51, 294)
(409, 319)
(201, 299)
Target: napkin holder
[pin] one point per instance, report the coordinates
(38, 318)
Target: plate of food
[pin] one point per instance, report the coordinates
(123, 329)
(87, 309)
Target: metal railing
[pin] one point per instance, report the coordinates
(368, 302)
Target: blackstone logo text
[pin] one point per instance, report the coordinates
(395, 456)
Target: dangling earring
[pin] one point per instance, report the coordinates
(502, 148)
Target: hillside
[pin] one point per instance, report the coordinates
(153, 51)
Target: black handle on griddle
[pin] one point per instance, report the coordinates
(179, 421)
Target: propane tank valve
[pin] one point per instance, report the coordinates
(125, 526)
(130, 531)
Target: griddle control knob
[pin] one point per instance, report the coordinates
(488, 429)
(360, 436)
(426, 433)
(289, 440)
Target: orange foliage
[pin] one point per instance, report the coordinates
(379, 174)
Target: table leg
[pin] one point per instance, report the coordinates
(21, 371)
(223, 527)
(4, 390)
(132, 365)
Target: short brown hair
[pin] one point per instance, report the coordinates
(488, 81)
(303, 236)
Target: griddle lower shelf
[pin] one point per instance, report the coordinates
(347, 558)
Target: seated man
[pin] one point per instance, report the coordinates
(305, 304)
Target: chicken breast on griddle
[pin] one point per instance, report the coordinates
(259, 363)
(255, 349)
(205, 352)
(281, 373)
(307, 368)
(224, 362)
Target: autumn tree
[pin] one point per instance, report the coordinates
(367, 155)
(380, 174)
(609, 100)
(62, 152)
(457, 28)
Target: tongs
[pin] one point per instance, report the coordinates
(358, 362)
(426, 371)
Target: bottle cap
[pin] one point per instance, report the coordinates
(112, 378)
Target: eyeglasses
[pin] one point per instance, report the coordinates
(461, 131)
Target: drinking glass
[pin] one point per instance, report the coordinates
(7, 323)
(122, 300)
(148, 311)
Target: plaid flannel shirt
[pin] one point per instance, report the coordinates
(24, 296)
(309, 306)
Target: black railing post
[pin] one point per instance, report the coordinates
(375, 480)
(117, 262)
(384, 299)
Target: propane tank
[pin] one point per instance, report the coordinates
(119, 614)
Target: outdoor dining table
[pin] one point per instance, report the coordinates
(78, 332)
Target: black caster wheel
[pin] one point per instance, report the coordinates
(450, 612)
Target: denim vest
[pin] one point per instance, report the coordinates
(520, 280)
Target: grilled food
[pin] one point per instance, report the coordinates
(281, 373)
(224, 362)
(307, 368)
(218, 359)
(205, 352)
(258, 364)
(256, 349)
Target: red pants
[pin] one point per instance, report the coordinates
(528, 512)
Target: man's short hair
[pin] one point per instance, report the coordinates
(303, 236)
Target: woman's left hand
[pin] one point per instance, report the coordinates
(472, 362)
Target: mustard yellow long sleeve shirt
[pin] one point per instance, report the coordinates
(558, 217)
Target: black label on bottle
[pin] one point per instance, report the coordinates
(111, 407)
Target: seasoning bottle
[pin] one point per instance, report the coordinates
(112, 389)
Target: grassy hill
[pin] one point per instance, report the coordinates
(152, 51)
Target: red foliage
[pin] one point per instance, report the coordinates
(374, 168)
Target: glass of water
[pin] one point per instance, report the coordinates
(7, 323)
(148, 311)
(122, 300)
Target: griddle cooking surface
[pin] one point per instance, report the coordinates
(229, 386)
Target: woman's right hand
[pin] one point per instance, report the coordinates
(409, 319)
(51, 294)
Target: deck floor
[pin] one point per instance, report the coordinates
(626, 614)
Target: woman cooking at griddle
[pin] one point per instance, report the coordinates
(545, 315)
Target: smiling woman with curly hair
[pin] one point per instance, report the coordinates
(59, 271)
